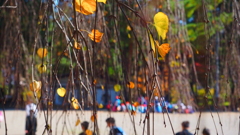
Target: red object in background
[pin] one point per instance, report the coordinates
(108, 106)
(200, 67)
(186, 110)
(198, 64)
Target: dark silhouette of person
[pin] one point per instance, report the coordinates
(206, 131)
(114, 130)
(31, 124)
(85, 129)
(185, 126)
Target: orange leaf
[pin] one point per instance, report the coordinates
(130, 85)
(77, 122)
(139, 79)
(133, 112)
(42, 52)
(94, 81)
(98, 35)
(135, 104)
(163, 49)
(85, 7)
(35, 85)
(93, 118)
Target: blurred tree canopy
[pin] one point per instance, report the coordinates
(203, 60)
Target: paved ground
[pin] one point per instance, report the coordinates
(16, 123)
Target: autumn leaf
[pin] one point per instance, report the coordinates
(117, 87)
(75, 103)
(103, 1)
(100, 106)
(133, 112)
(93, 118)
(42, 68)
(42, 52)
(77, 122)
(98, 35)
(35, 86)
(102, 87)
(94, 81)
(61, 91)
(86, 7)
(161, 23)
(136, 104)
(129, 28)
(163, 49)
(76, 45)
(152, 42)
(130, 85)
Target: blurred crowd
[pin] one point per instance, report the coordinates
(158, 105)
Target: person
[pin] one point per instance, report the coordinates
(31, 124)
(31, 106)
(114, 130)
(85, 129)
(206, 131)
(117, 104)
(157, 107)
(185, 126)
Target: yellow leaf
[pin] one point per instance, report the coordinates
(100, 106)
(103, 1)
(161, 23)
(61, 91)
(129, 28)
(75, 103)
(42, 52)
(130, 85)
(50, 103)
(163, 49)
(77, 45)
(152, 43)
(98, 35)
(48, 127)
(77, 122)
(129, 36)
(117, 87)
(42, 68)
(85, 7)
(35, 86)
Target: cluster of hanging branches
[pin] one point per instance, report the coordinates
(124, 54)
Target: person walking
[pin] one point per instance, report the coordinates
(206, 131)
(31, 124)
(85, 129)
(114, 130)
(31, 106)
(185, 126)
